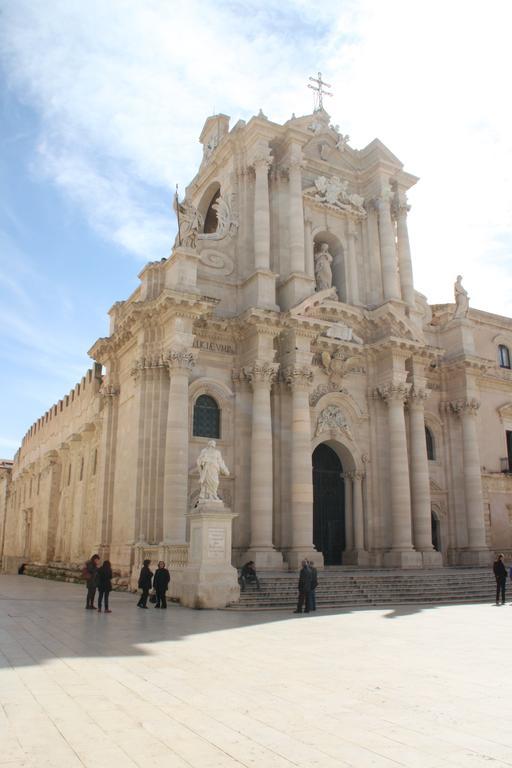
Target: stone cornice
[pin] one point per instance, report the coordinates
(168, 302)
(477, 365)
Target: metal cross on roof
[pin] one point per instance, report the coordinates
(319, 91)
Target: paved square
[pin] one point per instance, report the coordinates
(425, 688)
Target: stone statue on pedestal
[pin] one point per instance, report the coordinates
(210, 464)
(323, 271)
(461, 299)
(190, 224)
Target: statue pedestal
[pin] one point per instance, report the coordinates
(209, 580)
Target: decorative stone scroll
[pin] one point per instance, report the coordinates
(216, 263)
(332, 419)
(334, 192)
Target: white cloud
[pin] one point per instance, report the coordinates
(124, 87)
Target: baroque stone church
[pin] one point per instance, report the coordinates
(360, 425)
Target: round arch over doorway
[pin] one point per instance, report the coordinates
(328, 504)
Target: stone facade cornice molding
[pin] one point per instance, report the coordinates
(168, 302)
(261, 373)
(478, 365)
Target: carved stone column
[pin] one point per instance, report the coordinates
(420, 479)
(401, 553)
(261, 550)
(467, 411)
(301, 492)
(349, 513)
(296, 216)
(175, 502)
(353, 279)
(388, 254)
(309, 248)
(261, 212)
(358, 510)
(404, 251)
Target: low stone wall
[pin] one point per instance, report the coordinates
(70, 572)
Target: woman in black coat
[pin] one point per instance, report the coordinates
(104, 584)
(160, 584)
(145, 578)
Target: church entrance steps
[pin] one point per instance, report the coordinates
(344, 587)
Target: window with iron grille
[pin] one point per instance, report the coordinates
(206, 417)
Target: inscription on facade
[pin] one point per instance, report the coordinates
(216, 543)
(213, 346)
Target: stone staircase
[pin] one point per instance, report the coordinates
(349, 587)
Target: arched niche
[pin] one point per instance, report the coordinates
(337, 252)
(205, 207)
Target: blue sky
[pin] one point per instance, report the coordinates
(102, 104)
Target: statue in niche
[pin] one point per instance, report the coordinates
(323, 271)
(190, 223)
(210, 465)
(461, 299)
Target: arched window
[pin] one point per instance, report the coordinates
(431, 451)
(210, 220)
(504, 356)
(206, 417)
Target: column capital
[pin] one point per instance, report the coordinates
(417, 396)
(465, 407)
(393, 392)
(261, 373)
(298, 377)
(400, 207)
(180, 360)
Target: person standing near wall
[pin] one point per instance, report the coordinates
(500, 574)
(314, 585)
(160, 584)
(104, 583)
(145, 578)
(89, 572)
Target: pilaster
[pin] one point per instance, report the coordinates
(388, 254)
(261, 376)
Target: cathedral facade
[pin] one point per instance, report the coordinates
(359, 424)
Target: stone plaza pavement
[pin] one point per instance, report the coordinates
(411, 686)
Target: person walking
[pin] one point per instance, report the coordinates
(500, 574)
(314, 584)
(104, 584)
(89, 572)
(161, 581)
(305, 580)
(145, 578)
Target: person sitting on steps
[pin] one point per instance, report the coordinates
(248, 575)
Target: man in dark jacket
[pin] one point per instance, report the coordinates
(314, 584)
(90, 570)
(305, 581)
(145, 578)
(161, 581)
(500, 574)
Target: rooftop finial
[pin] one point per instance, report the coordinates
(319, 91)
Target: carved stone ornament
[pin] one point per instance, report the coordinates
(325, 389)
(465, 407)
(298, 377)
(394, 392)
(261, 373)
(227, 220)
(180, 360)
(338, 365)
(332, 418)
(334, 192)
(215, 263)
